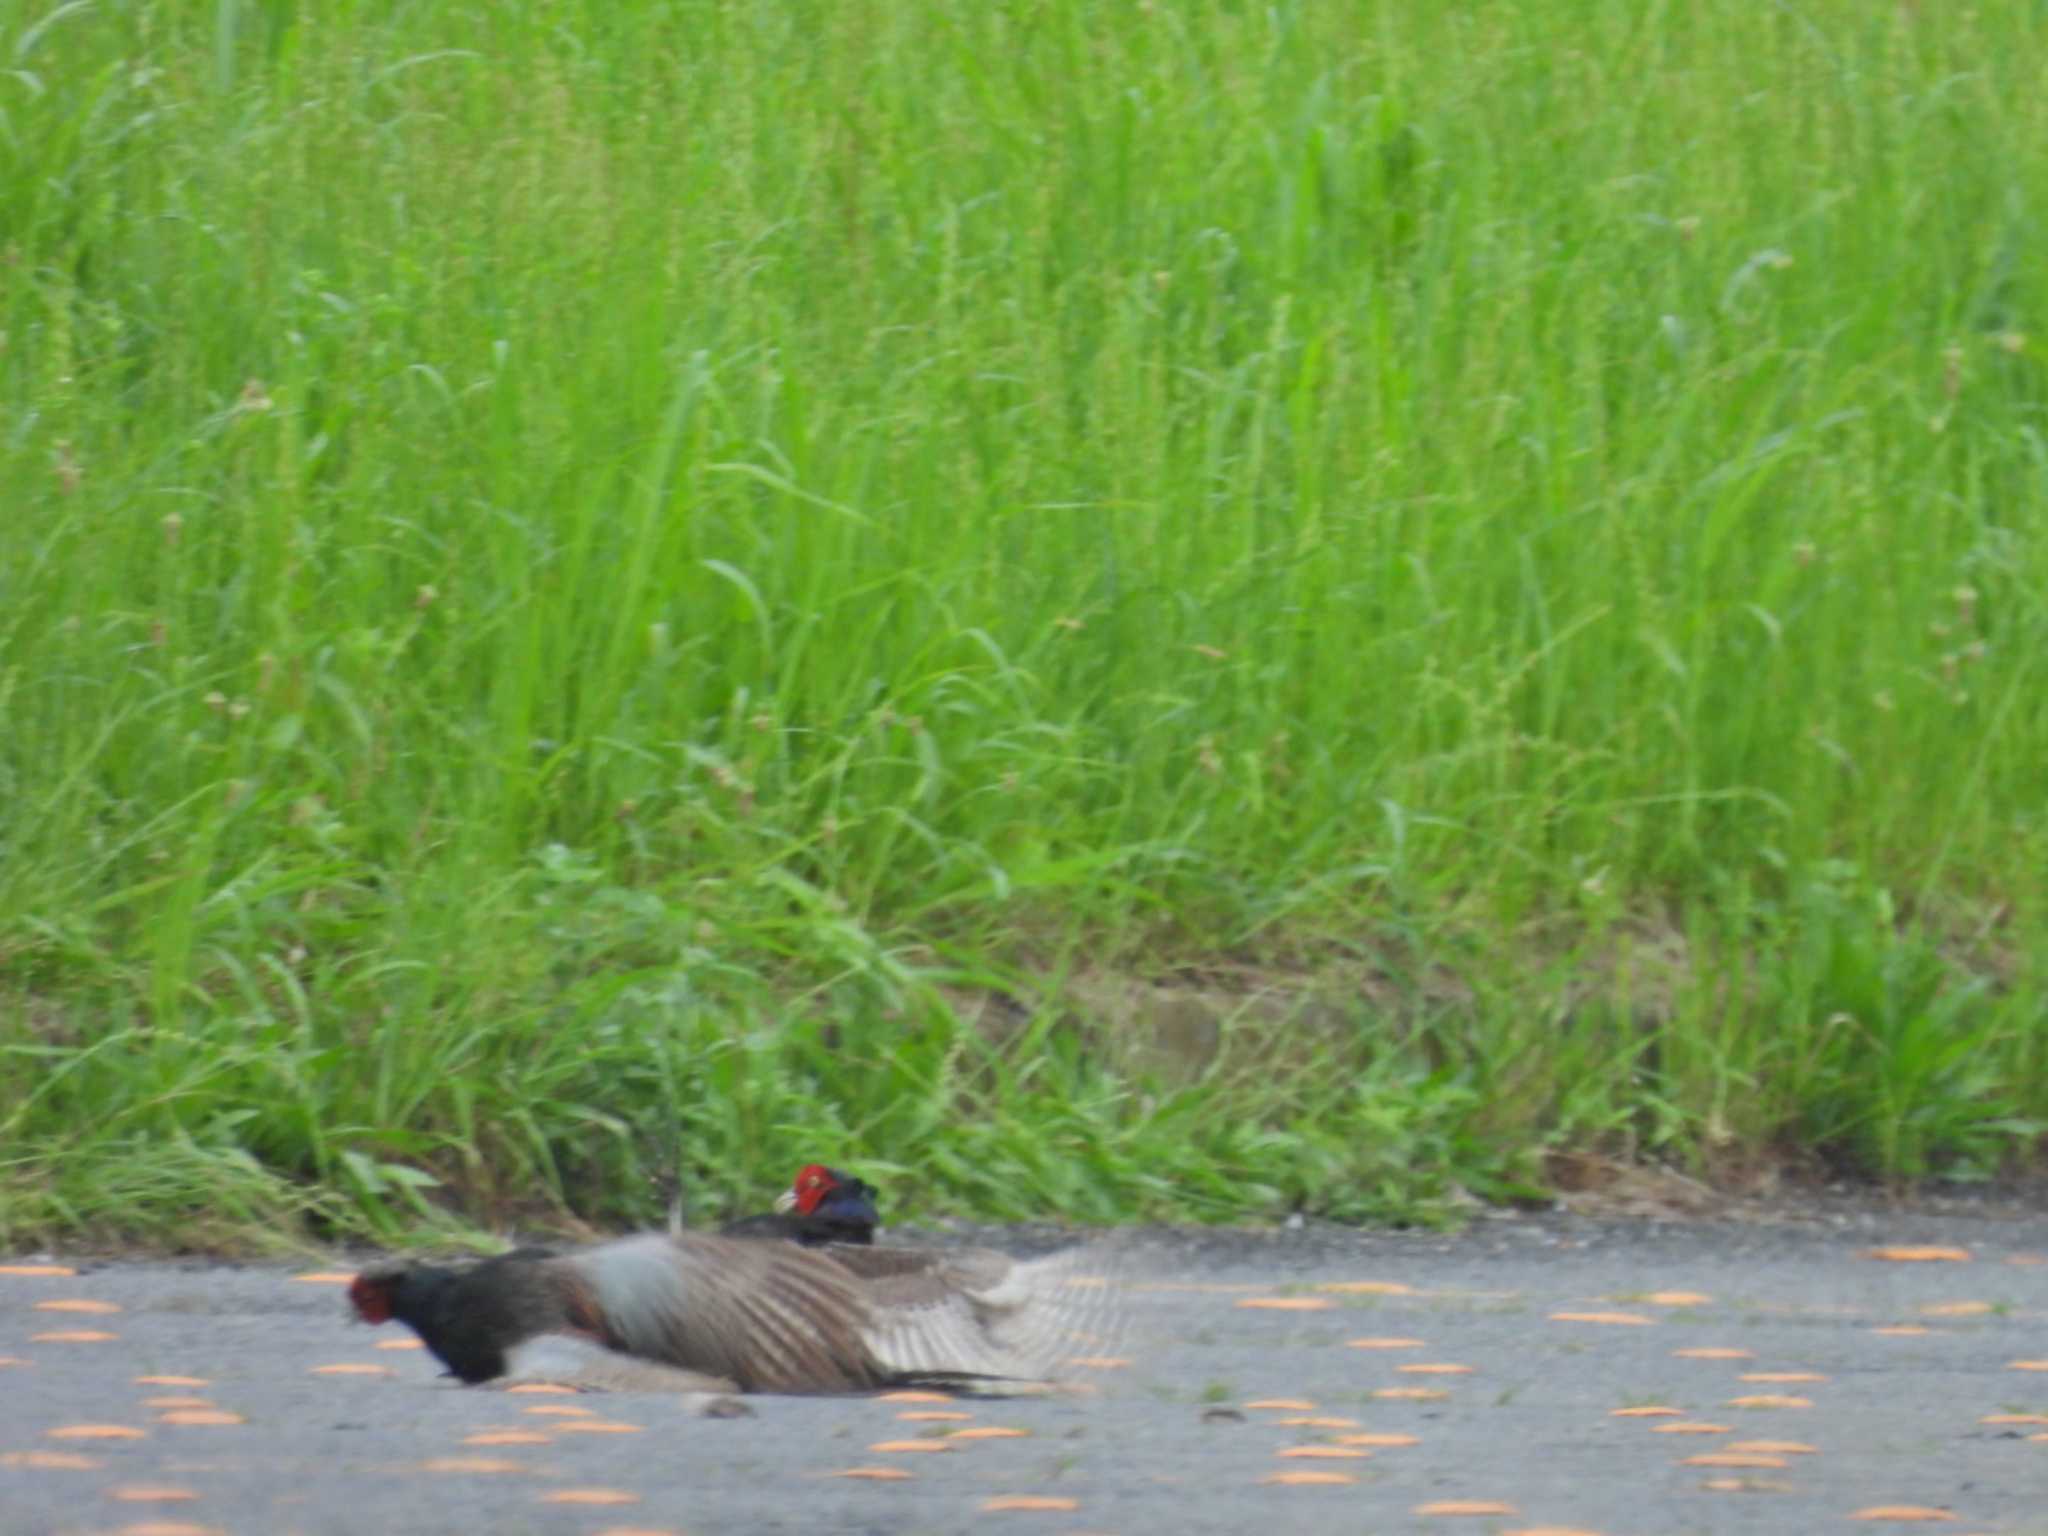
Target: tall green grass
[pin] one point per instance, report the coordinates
(582, 578)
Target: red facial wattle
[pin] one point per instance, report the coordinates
(813, 1183)
(371, 1300)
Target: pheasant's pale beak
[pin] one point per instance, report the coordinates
(785, 1202)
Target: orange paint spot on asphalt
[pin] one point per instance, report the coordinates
(1690, 1427)
(1366, 1288)
(875, 1474)
(1919, 1255)
(596, 1427)
(1411, 1394)
(356, 1368)
(1678, 1298)
(78, 1304)
(1322, 1453)
(524, 1389)
(590, 1496)
(2017, 1258)
(1770, 1400)
(1465, 1507)
(172, 1381)
(491, 1464)
(1434, 1370)
(168, 1528)
(1712, 1352)
(1317, 1421)
(73, 1336)
(990, 1432)
(54, 1461)
(7, 1360)
(1902, 1331)
(1901, 1512)
(1378, 1439)
(1956, 1309)
(1009, 1501)
(48, 1271)
(95, 1432)
(914, 1397)
(508, 1437)
(635, 1530)
(1610, 1319)
(1733, 1459)
(151, 1493)
(1285, 1303)
(1099, 1362)
(322, 1277)
(1775, 1447)
(399, 1344)
(933, 1416)
(908, 1447)
(177, 1402)
(561, 1410)
(1305, 1479)
(1657, 1411)
(2027, 1365)
(1783, 1376)
(2014, 1418)
(1383, 1343)
(215, 1416)
(1284, 1404)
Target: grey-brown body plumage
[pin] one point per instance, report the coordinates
(698, 1312)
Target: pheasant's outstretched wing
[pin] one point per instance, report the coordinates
(976, 1313)
(772, 1317)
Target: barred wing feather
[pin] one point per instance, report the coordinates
(772, 1317)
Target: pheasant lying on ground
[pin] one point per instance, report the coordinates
(700, 1313)
(822, 1206)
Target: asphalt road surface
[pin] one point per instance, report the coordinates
(1864, 1373)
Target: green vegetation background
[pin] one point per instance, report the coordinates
(598, 594)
